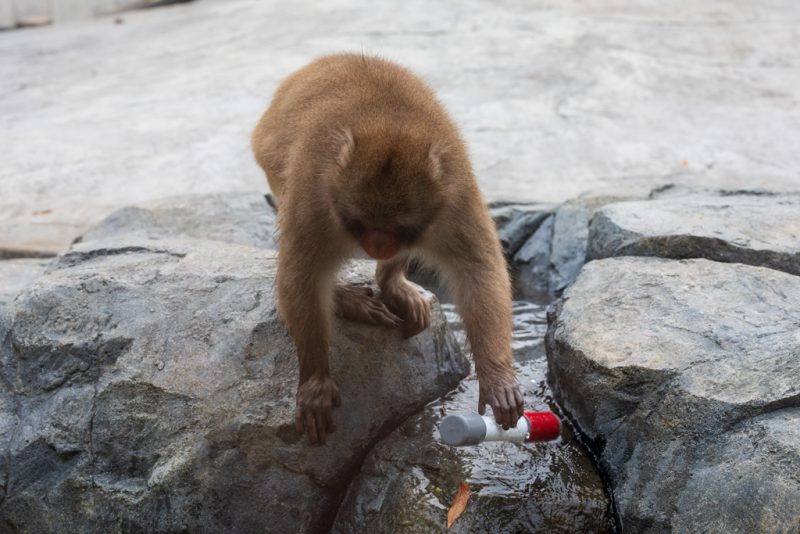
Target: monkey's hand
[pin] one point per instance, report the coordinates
(405, 300)
(359, 303)
(316, 398)
(501, 392)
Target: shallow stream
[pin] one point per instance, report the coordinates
(544, 487)
(408, 482)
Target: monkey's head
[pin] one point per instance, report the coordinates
(387, 187)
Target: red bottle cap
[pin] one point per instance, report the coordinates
(544, 426)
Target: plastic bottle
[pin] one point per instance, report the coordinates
(461, 429)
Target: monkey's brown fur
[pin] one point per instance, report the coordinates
(358, 151)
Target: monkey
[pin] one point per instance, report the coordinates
(361, 156)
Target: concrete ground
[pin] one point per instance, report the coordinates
(555, 97)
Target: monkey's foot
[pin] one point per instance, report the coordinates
(406, 301)
(359, 303)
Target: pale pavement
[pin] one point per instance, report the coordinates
(555, 98)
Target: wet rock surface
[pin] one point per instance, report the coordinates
(148, 385)
(684, 378)
(408, 481)
(755, 228)
(547, 245)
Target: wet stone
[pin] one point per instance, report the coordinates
(684, 378)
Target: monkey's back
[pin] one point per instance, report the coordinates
(313, 104)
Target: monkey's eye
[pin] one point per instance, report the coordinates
(408, 234)
(353, 226)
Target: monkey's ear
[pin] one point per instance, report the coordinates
(436, 153)
(346, 147)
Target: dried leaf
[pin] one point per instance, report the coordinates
(459, 503)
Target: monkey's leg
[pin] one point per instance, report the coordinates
(305, 299)
(401, 297)
(358, 303)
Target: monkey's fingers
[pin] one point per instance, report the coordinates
(502, 413)
(414, 323)
(419, 318)
(380, 314)
(518, 401)
(509, 406)
(368, 291)
(322, 427)
(481, 404)
(311, 426)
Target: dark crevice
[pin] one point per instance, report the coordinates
(586, 444)
(70, 259)
(16, 254)
(593, 447)
(352, 469)
(747, 192)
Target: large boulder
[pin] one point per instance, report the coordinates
(755, 228)
(148, 385)
(684, 377)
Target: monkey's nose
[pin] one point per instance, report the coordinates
(379, 245)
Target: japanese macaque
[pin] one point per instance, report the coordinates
(359, 153)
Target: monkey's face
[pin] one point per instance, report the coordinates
(381, 237)
(386, 197)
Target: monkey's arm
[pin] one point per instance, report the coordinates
(475, 271)
(305, 283)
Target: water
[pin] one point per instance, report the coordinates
(550, 486)
(409, 481)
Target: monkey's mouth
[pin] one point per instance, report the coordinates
(379, 245)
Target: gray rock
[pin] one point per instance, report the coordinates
(568, 244)
(14, 276)
(516, 232)
(756, 499)
(517, 222)
(408, 481)
(751, 228)
(681, 375)
(532, 269)
(241, 218)
(550, 259)
(148, 385)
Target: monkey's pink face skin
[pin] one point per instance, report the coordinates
(379, 245)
